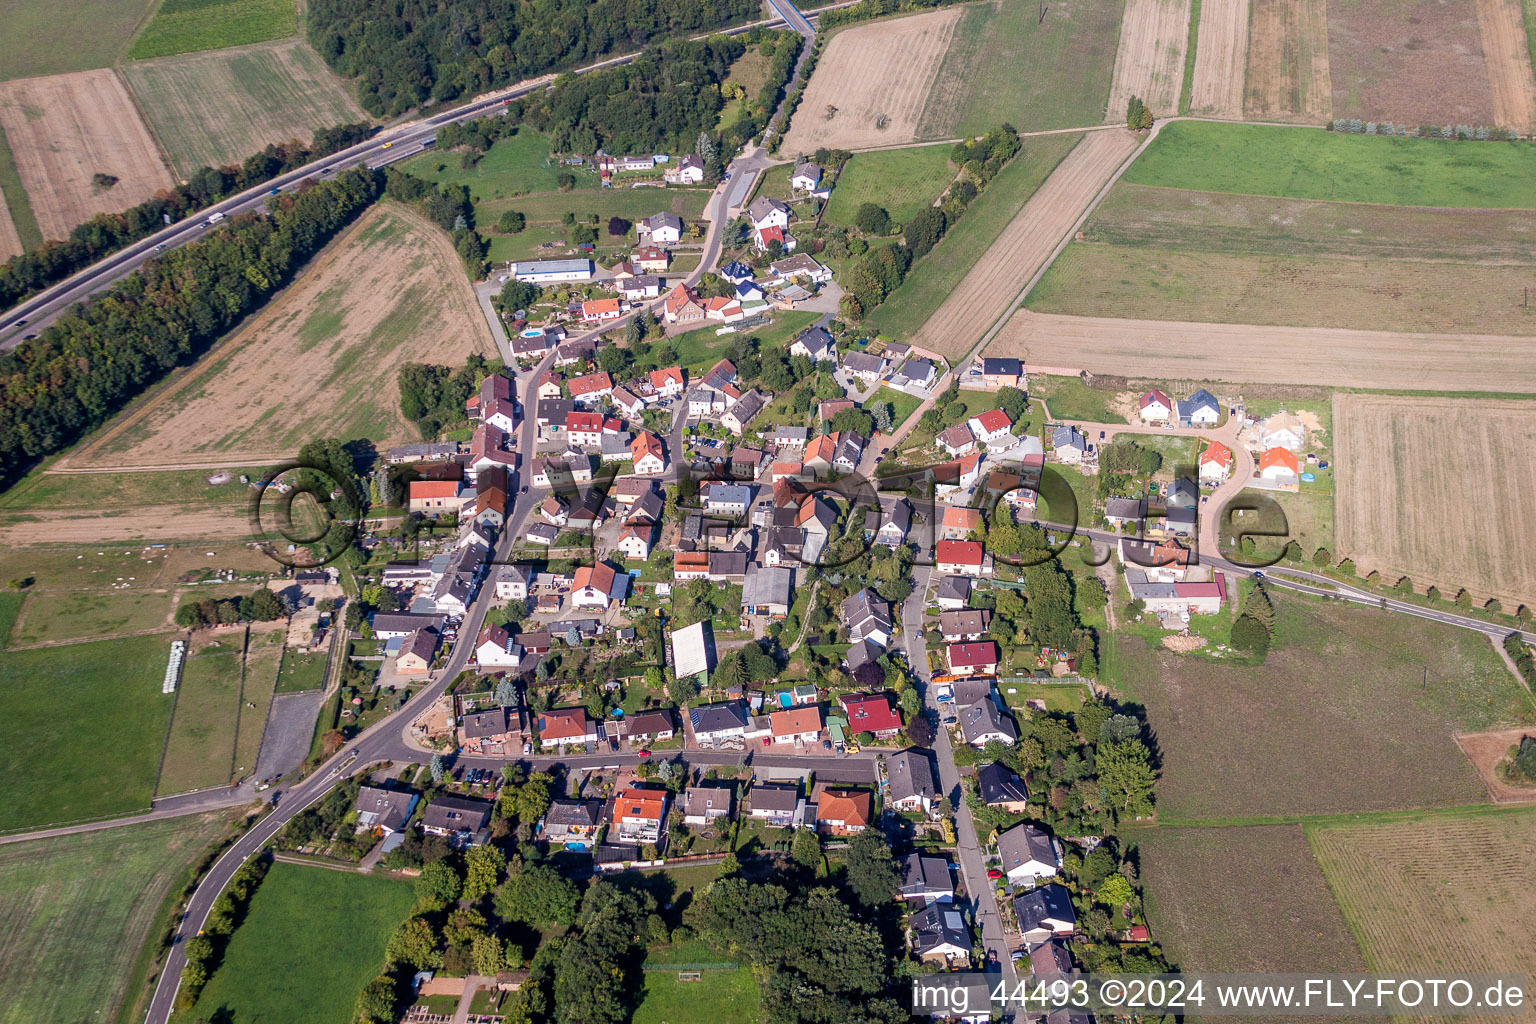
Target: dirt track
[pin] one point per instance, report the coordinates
(1247, 354)
(10, 241)
(63, 129)
(1221, 59)
(1509, 63)
(1000, 274)
(881, 70)
(1288, 71)
(1150, 60)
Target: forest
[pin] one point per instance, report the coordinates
(404, 53)
(91, 362)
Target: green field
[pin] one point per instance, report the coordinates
(200, 749)
(698, 350)
(902, 404)
(1006, 65)
(263, 655)
(310, 942)
(111, 491)
(72, 614)
(1307, 163)
(44, 39)
(183, 26)
(1068, 398)
(77, 910)
(903, 181)
(219, 107)
(545, 212)
(301, 672)
(10, 605)
(717, 996)
(511, 167)
(16, 202)
(83, 729)
(939, 273)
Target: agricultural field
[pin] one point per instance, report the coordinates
(216, 108)
(901, 181)
(18, 225)
(1070, 55)
(1287, 68)
(1393, 453)
(309, 943)
(1478, 914)
(78, 909)
(10, 238)
(53, 614)
(1150, 62)
(53, 39)
(183, 26)
(1221, 59)
(1365, 699)
(1025, 244)
(1307, 163)
(1409, 61)
(1242, 899)
(871, 83)
(1245, 353)
(63, 130)
(1510, 74)
(320, 360)
(200, 749)
(78, 714)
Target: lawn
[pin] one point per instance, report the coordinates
(83, 730)
(182, 26)
(263, 655)
(310, 942)
(939, 273)
(1364, 699)
(902, 181)
(301, 672)
(1057, 697)
(45, 39)
(78, 909)
(511, 167)
(1068, 398)
(902, 404)
(545, 217)
(717, 996)
(70, 614)
(1306, 163)
(698, 350)
(200, 748)
(16, 202)
(1278, 517)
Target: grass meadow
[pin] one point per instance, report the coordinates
(698, 350)
(1308, 163)
(717, 996)
(902, 181)
(200, 749)
(46, 39)
(16, 202)
(511, 167)
(78, 909)
(309, 943)
(74, 614)
(83, 731)
(185, 26)
(300, 672)
(263, 655)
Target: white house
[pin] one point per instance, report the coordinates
(1028, 854)
(807, 177)
(494, 647)
(661, 229)
(1155, 406)
(729, 499)
(1282, 430)
(551, 271)
(635, 539)
(597, 586)
(646, 450)
(815, 344)
(1215, 463)
(766, 212)
(1200, 410)
(512, 582)
(991, 426)
(1069, 445)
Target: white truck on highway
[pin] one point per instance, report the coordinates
(213, 218)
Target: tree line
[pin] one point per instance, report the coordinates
(260, 606)
(433, 395)
(404, 53)
(93, 361)
(24, 275)
(866, 10)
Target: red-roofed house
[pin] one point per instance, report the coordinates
(976, 658)
(842, 812)
(669, 382)
(561, 727)
(958, 523)
(487, 450)
(590, 387)
(584, 428)
(796, 725)
(871, 712)
(638, 814)
(1155, 407)
(682, 306)
(602, 310)
(961, 558)
(1279, 464)
(1215, 462)
(992, 425)
(596, 586)
(647, 453)
(435, 496)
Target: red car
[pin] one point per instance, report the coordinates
(643, 752)
(994, 873)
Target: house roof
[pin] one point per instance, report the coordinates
(959, 552)
(994, 420)
(964, 621)
(957, 436)
(1218, 453)
(1050, 958)
(1025, 844)
(1154, 397)
(693, 651)
(563, 724)
(849, 806)
(955, 588)
(648, 722)
(421, 489)
(730, 714)
(663, 220)
(485, 723)
(762, 206)
(863, 362)
(597, 307)
(767, 585)
(870, 712)
(456, 814)
(641, 804)
(940, 925)
(1125, 508)
(589, 384)
(866, 608)
(599, 577)
(1283, 458)
(389, 806)
(1002, 367)
(983, 719)
(972, 654)
(958, 518)
(795, 721)
(422, 643)
(926, 873)
(703, 799)
(573, 813)
(860, 654)
(646, 443)
(670, 375)
(1044, 905)
(910, 774)
(996, 784)
(815, 339)
(771, 797)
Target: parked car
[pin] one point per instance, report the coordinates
(994, 873)
(527, 749)
(643, 752)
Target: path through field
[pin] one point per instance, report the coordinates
(1150, 61)
(1025, 245)
(1508, 55)
(1244, 353)
(1221, 59)
(1288, 70)
(63, 130)
(10, 241)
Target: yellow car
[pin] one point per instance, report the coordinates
(388, 144)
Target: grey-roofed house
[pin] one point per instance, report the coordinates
(863, 365)
(964, 624)
(1028, 854)
(998, 786)
(939, 934)
(704, 804)
(867, 616)
(1069, 444)
(774, 804)
(742, 412)
(1050, 958)
(1182, 493)
(388, 625)
(651, 724)
(461, 819)
(768, 591)
(909, 781)
(572, 822)
(954, 592)
(1124, 510)
(892, 533)
(729, 566)
(1180, 522)
(715, 722)
(983, 723)
(1044, 912)
(815, 344)
(384, 809)
(1200, 410)
(861, 654)
(926, 879)
(730, 499)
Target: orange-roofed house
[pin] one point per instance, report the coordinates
(961, 558)
(562, 727)
(1279, 464)
(590, 387)
(819, 454)
(601, 310)
(436, 497)
(690, 565)
(638, 814)
(958, 523)
(596, 586)
(1215, 462)
(682, 306)
(843, 812)
(649, 458)
(669, 382)
(799, 726)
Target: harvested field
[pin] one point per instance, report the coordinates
(1486, 750)
(1441, 895)
(1287, 75)
(64, 129)
(10, 241)
(1508, 56)
(1070, 57)
(1409, 61)
(871, 82)
(1025, 245)
(320, 360)
(1294, 291)
(1221, 59)
(1244, 353)
(1242, 899)
(1408, 471)
(218, 107)
(149, 524)
(1150, 62)
(1368, 700)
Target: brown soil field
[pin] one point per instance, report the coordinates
(1025, 245)
(1288, 62)
(62, 130)
(1228, 222)
(10, 241)
(1485, 750)
(150, 524)
(1242, 899)
(1150, 61)
(1245, 353)
(1426, 487)
(1508, 55)
(1221, 59)
(1408, 61)
(1441, 895)
(869, 72)
(321, 359)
